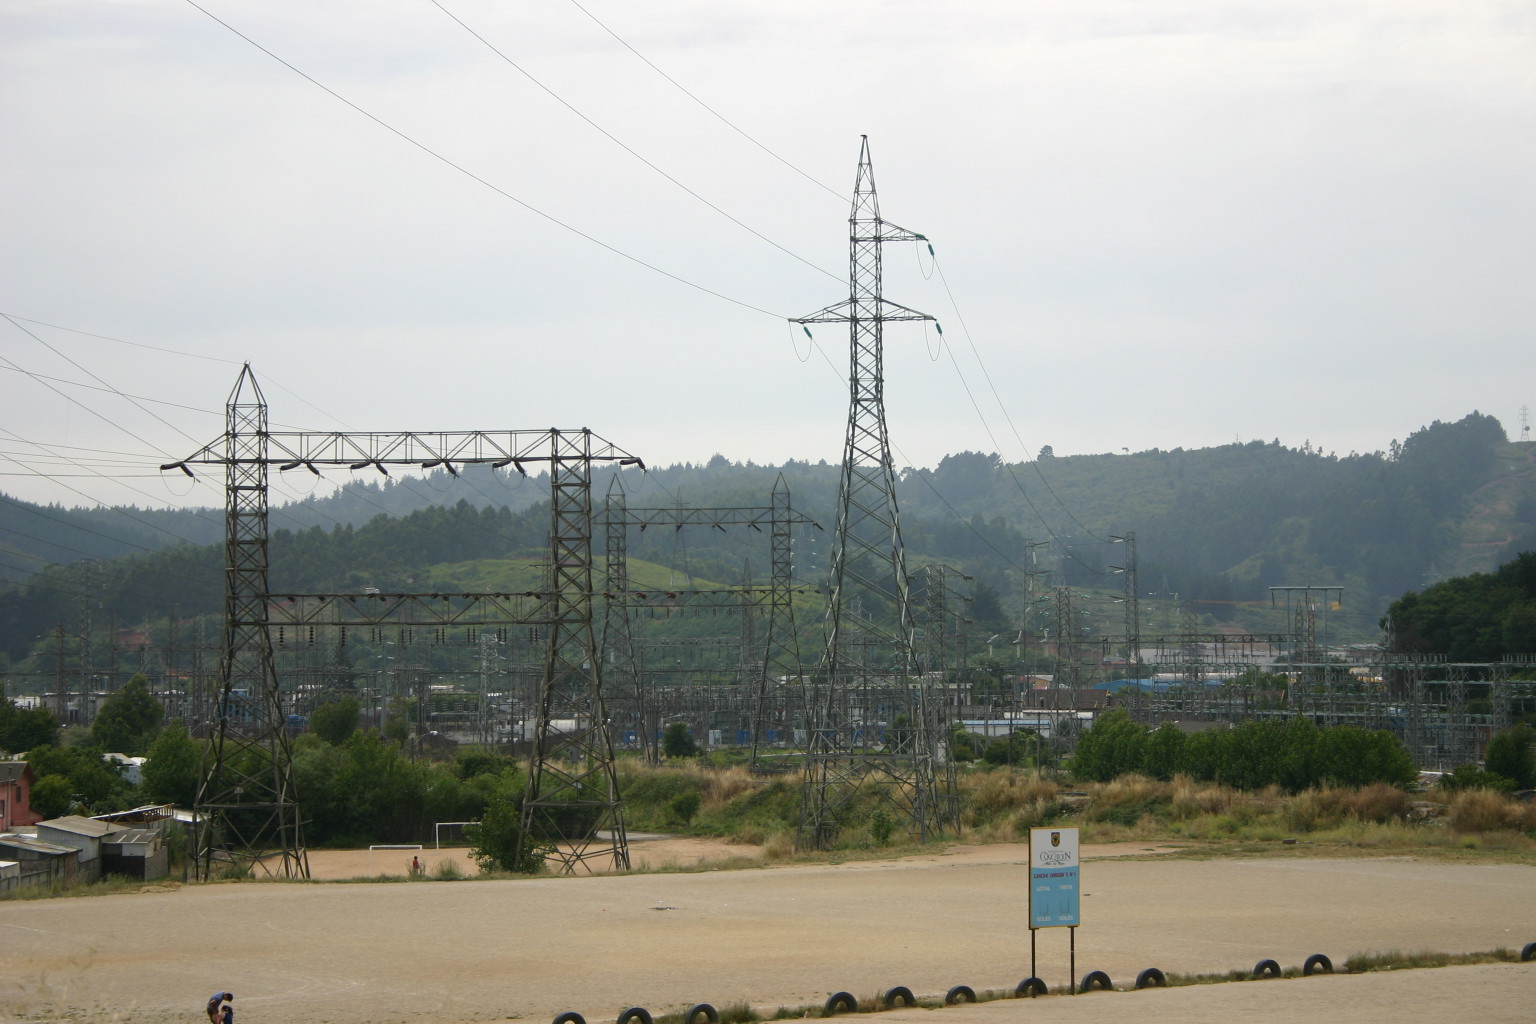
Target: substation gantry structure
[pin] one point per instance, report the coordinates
(763, 664)
(247, 810)
(871, 721)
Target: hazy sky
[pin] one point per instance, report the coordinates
(1164, 224)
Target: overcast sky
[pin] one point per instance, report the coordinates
(1161, 224)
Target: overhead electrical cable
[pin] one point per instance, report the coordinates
(945, 501)
(101, 504)
(94, 377)
(965, 329)
(711, 110)
(626, 147)
(551, 218)
(109, 389)
(120, 341)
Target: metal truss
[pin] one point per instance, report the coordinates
(762, 665)
(246, 805)
(869, 639)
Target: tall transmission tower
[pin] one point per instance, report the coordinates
(246, 805)
(870, 661)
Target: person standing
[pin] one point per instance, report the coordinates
(214, 1002)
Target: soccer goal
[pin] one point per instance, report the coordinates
(450, 832)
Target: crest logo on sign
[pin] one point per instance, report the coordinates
(1055, 838)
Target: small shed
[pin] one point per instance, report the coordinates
(41, 863)
(135, 852)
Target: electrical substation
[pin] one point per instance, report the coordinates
(850, 683)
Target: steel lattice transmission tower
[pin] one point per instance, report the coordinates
(870, 667)
(246, 806)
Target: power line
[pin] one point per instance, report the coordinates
(551, 218)
(625, 147)
(721, 117)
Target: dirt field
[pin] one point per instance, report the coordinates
(446, 953)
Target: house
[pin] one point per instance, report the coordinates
(130, 768)
(16, 780)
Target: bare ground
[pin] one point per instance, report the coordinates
(465, 952)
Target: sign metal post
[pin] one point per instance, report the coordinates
(1054, 890)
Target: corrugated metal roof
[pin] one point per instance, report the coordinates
(77, 825)
(34, 844)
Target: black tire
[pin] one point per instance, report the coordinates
(1266, 969)
(960, 994)
(1093, 980)
(898, 996)
(1031, 987)
(1315, 963)
(1150, 977)
(1529, 952)
(710, 1014)
(570, 1017)
(837, 1002)
(637, 1014)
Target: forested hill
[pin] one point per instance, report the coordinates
(1216, 526)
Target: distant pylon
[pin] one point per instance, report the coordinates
(868, 707)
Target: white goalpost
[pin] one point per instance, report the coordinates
(453, 831)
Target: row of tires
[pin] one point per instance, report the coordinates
(845, 1002)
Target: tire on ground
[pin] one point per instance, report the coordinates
(1317, 962)
(1529, 952)
(960, 994)
(709, 1012)
(570, 1017)
(635, 1014)
(1093, 980)
(1149, 977)
(1031, 987)
(1266, 969)
(837, 1002)
(898, 996)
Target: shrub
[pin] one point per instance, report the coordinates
(1482, 810)
(685, 805)
(496, 841)
(1378, 802)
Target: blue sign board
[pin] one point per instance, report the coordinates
(1053, 880)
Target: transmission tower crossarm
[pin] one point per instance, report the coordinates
(419, 448)
(843, 312)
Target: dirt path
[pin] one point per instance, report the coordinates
(464, 952)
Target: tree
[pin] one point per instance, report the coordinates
(170, 774)
(496, 841)
(129, 719)
(1163, 752)
(1512, 755)
(677, 741)
(335, 721)
(21, 729)
(1112, 747)
(90, 781)
(52, 796)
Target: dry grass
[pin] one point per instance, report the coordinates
(1481, 810)
(726, 785)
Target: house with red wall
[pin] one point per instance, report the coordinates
(16, 780)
